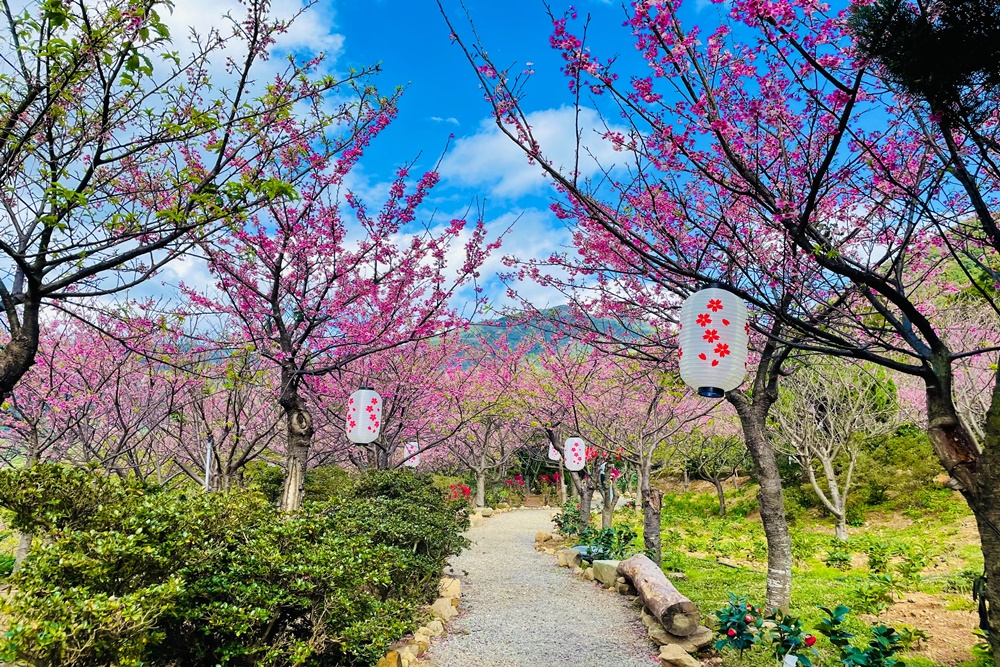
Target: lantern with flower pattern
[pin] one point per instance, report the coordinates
(713, 342)
(575, 454)
(411, 450)
(553, 453)
(364, 416)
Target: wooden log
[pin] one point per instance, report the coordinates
(678, 615)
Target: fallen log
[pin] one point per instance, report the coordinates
(678, 615)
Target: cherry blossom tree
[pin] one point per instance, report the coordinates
(753, 163)
(119, 153)
(312, 290)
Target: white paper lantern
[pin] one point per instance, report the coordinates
(576, 454)
(713, 342)
(364, 416)
(553, 453)
(412, 450)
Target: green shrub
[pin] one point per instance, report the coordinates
(323, 483)
(265, 478)
(838, 555)
(163, 578)
(6, 565)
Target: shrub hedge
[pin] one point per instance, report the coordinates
(129, 575)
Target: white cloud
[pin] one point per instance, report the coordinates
(488, 158)
(450, 119)
(310, 33)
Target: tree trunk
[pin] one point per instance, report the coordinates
(652, 501)
(480, 488)
(562, 482)
(721, 494)
(607, 508)
(18, 355)
(753, 419)
(24, 540)
(980, 484)
(842, 527)
(585, 493)
(299, 427)
(23, 548)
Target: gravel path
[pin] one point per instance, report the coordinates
(520, 610)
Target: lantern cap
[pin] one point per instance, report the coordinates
(711, 392)
(366, 389)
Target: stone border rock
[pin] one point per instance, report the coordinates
(407, 652)
(674, 651)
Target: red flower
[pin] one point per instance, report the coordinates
(809, 640)
(704, 319)
(722, 349)
(711, 335)
(544, 479)
(731, 632)
(556, 477)
(466, 491)
(714, 305)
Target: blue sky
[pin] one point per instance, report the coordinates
(441, 97)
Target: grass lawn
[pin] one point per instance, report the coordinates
(911, 569)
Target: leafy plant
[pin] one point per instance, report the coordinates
(739, 625)
(880, 554)
(568, 519)
(617, 542)
(880, 652)
(911, 638)
(788, 638)
(838, 556)
(914, 559)
(875, 595)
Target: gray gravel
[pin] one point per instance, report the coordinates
(519, 610)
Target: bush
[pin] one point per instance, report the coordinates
(326, 482)
(266, 478)
(163, 578)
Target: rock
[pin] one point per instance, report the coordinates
(454, 602)
(659, 636)
(588, 574)
(391, 659)
(699, 639)
(675, 576)
(620, 580)
(435, 628)
(623, 589)
(578, 570)
(569, 558)
(542, 536)
(550, 551)
(672, 655)
(422, 642)
(408, 653)
(606, 572)
(486, 511)
(648, 619)
(693, 643)
(443, 609)
(450, 588)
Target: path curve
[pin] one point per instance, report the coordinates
(520, 610)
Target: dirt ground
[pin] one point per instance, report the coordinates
(950, 630)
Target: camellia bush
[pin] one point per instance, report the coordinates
(126, 574)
